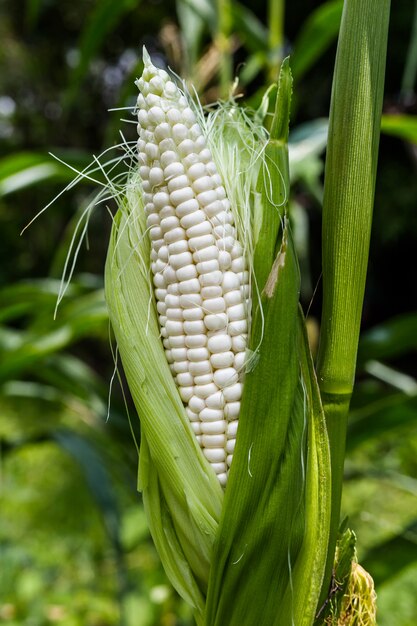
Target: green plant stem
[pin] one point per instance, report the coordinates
(276, 13)
(355, 115)
(224, 45)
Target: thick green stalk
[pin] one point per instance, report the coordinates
(351, 165)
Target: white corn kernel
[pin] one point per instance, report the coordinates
(197, 354)
(239, 361)
(210, 279)
(196, 404)
(203, 379)
(231, 410)
(189, 286)
(236, 313)
(239, 343)
(230, 446)
(211, 415)
(222, 478)
(214, 441)
(215, 401)
(215, 322)
(212, 291)
(188, 272)
(200, 368)
(194, 328)
(215, 455)
(203, 391)
(199, 230)
(214, 305)
(222, 360)
(232, 429)
(232, 393)
(213, 428)
(195, 426)
(195, 341)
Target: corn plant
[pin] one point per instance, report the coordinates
(242, 437)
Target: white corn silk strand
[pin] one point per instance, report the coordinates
(198, 266)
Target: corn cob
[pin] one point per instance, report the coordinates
(199, 270)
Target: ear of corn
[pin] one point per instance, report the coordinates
(247, 552)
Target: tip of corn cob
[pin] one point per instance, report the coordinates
(146, 57)
(198, 266)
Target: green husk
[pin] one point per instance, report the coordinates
(302, 597)
(271, 546)
(181, 493)
(273, 186)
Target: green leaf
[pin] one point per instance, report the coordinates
(86, 316)
(402, 551)
(306, 143)
(317, 33)
(192, 26)
(351, 164)
(25, 169)
(38, 297)
(205, 10)
(401, 126)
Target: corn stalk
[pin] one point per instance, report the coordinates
(351, 164)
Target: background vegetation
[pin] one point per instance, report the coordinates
(74, 545)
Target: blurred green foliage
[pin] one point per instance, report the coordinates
(74, 545)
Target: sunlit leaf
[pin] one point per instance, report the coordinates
(25, 169)
(402, 551)
(205, 10)
(306, 143)
(86, 316)
(402, 126)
